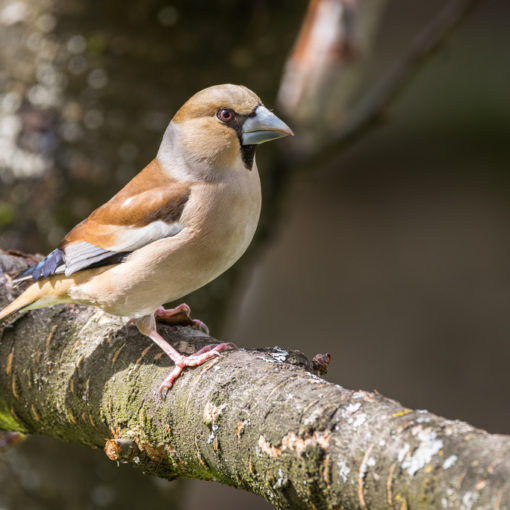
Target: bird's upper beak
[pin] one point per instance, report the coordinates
(264, 126)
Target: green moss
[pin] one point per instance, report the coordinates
(8, 422)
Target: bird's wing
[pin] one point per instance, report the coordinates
(148, 208)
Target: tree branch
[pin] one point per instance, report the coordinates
(372, 107)
(326, 64)
(258, 420)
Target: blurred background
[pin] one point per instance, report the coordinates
(392, 254)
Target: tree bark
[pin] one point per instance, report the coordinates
(259, 420)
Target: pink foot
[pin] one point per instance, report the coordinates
(211, 347)
(170, 313)
(147, 326)
(194, 360)
(181, 316)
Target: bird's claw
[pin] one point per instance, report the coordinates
(198, 358)
(201, 326)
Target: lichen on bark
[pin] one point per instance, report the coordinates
(259, 420)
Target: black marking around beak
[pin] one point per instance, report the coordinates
(247, 151)
(248, 155)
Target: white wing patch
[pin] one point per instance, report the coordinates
(130, 239)
(82, 254)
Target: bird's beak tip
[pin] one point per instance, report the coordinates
(263, 127)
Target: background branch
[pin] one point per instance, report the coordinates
(346, 125)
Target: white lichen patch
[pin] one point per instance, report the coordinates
(370, 461)
(279, 354)
(468, 500)
(315, 378)
(351, 415)
(402, 452)
(359, 420)
(212, 435)
(343, 469)
(313, 417)
(422, 455)
(352, 408)
(450, 461)
(267, 360)
(279, 481)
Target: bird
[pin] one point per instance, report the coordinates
(183, 220)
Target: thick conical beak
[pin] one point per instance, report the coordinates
(264, 126)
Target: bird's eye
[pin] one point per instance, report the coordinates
(225, 114)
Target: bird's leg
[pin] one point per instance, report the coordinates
(147, 326)
(180, 315)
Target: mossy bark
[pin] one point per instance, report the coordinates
(259, 420)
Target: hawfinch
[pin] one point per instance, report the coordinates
(177, 225)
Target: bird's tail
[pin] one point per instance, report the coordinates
(32, 294)
(43, 293)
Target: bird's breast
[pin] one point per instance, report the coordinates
(223, 218)
(219, 222)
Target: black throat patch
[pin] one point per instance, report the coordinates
(247, 151)
(247, 154)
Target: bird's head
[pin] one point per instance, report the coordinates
(219, 128)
